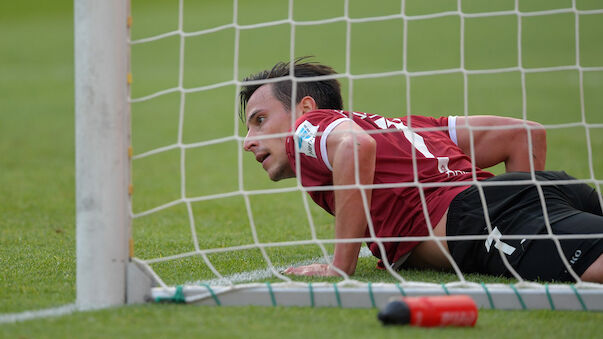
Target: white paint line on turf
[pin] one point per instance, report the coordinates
(45, 313)
(267, 273)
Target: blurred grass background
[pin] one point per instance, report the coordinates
(37, 231)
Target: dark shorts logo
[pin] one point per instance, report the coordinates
(576, 257)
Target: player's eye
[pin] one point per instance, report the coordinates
(260, 120)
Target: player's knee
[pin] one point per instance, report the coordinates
(594, 273)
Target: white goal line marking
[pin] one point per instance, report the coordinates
(44, 313)
(267, 272)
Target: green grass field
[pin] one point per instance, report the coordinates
(37, 207)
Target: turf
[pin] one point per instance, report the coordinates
(37, 227)
(183, 321)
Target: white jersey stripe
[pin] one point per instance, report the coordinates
(323, 140)
(452, 129)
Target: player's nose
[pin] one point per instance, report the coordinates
(250, 143)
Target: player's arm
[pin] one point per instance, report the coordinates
(350, 217)
(508, 144)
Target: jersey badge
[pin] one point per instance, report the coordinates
(306, 137)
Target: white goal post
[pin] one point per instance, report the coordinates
(108, 273)
(102, 125)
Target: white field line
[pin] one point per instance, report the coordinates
(44, 313)
(267, 273)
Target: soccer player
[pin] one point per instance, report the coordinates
(337, 148)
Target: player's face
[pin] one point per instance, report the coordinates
(266, 115)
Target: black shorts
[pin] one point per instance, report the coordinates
(517, 210)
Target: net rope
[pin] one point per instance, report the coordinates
(187, 200)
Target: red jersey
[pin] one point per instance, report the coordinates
(395, 211)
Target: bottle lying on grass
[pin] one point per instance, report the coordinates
(452, 310)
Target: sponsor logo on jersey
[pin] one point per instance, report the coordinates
(443, 167)
(306, 137)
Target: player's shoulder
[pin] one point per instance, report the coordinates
(319, 119)
(322, 114)
(315, 125)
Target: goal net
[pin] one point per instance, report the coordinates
(209, 227)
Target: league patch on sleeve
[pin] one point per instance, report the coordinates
(306, 137)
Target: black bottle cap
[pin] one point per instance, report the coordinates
(395, 313)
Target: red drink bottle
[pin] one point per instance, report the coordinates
(452, 310)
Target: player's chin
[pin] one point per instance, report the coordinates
(279, 171)
(274, 177)
(275, 174)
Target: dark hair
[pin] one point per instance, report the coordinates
(326, 93)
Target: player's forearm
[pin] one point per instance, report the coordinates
(350, 223)
(350, 211)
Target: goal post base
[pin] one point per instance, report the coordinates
(376, 295)
(139, 283)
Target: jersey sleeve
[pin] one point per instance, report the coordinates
(309, 140)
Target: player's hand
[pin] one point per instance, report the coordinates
(322, 270)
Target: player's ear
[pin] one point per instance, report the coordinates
(306, 105)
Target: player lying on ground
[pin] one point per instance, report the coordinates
(329, 140)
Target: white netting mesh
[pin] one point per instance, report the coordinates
(409, 74)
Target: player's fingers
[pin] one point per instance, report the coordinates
(309, 270)
(296, 270)
(315, 269)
